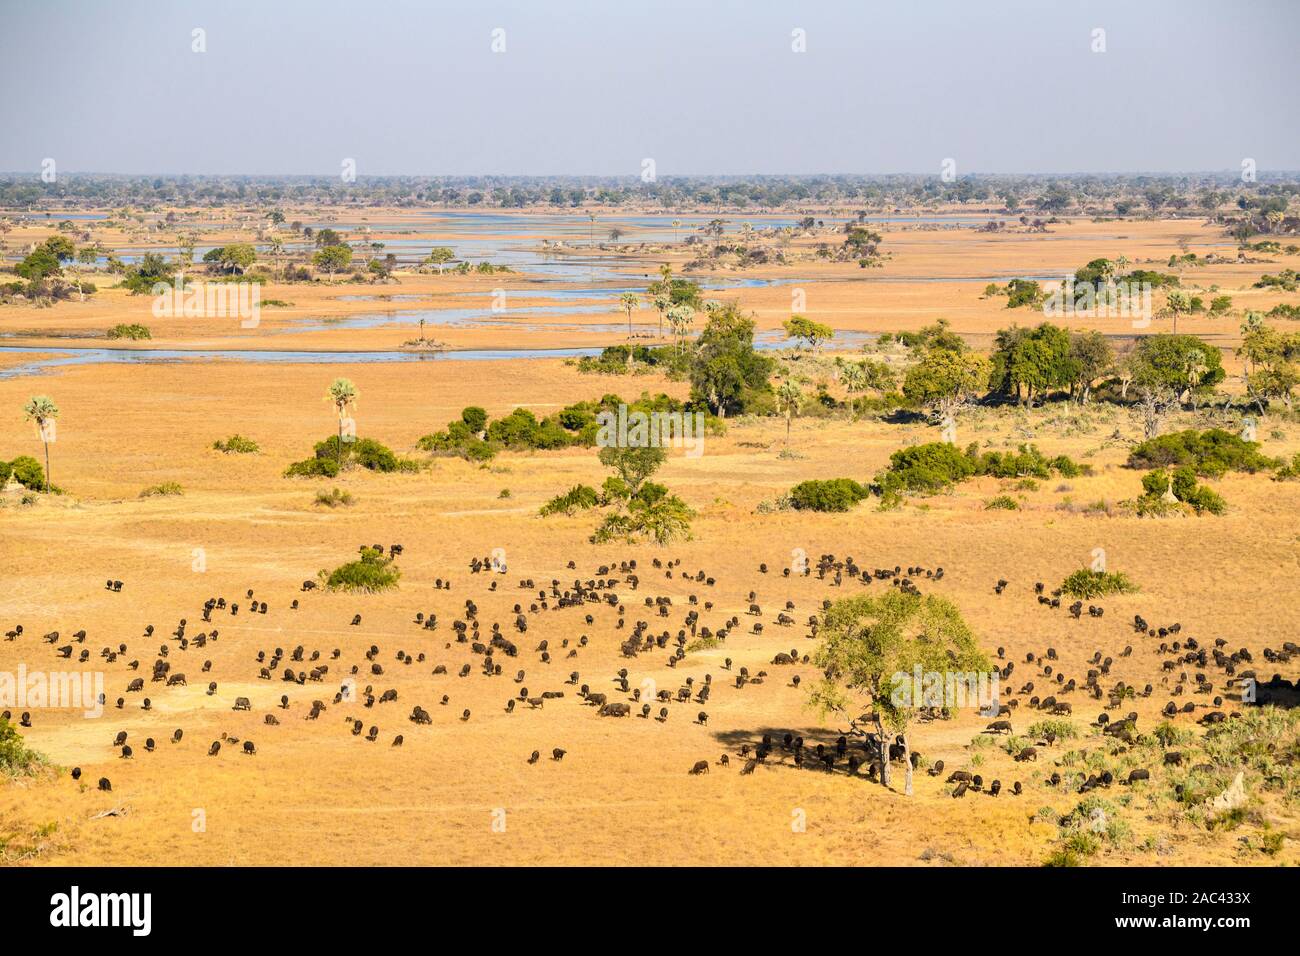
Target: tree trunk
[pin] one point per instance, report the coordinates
(884, 753)
(47, 468)
(907, 765)
(338, 451)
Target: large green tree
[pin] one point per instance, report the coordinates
(727, 373)
(867, 642)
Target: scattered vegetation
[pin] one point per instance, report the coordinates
(1211, 453)
(133, 330)
(335, 498)
(369, 573)
(165, 490)
(236, 445)
(16, 758)
(1087, 584)
(834, 494)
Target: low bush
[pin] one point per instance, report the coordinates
(1182, 482)
(165, 490)
(16, 758)
(133, 330)
(1210, 453)
(236, 445)
(835, 494)
(335, 498)
(371, 572)
(25, 470)
(577, 498)
(313, 468)
(1086, 584)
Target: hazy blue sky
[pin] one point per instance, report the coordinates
(701, 87)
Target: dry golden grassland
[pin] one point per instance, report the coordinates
(316, 794)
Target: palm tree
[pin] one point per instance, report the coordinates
(1196, 369)
(276, 248)
(663, 303)
(591, 236)
(630, 302)
(681, 317)
(854, 377)
(343, 395)
(788, 397)
(1177, 302)
(184, 255)
(677, 224)
(42, 410)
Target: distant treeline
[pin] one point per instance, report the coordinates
(1127, 194)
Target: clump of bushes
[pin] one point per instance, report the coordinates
(364, 452)
(371, 572)
(1187, 493)
(1086, 584)
(649, 512)
(1291, 471)
(834, 494)
(926, 469)
(165, 490)
(1211, 453)
(25, 470)
(477, 439)
(313, 468)
(937, 466)
(1054, 727)
(236, 445)
(133, 330)
(335, 498)
(1002, 503)
(639, 508)
(16, 758)
(577, 498)
(613, 360)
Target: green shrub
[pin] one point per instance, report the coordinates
(369, 573)
(1184, 487)
(928, 468)
(651, 513)
(165, 490)
(1001, 503)
(313, 468)
(577, 498)
(370, 454)
(1211, 453)
(835, 494)
(1086, 584)
(1290, 471)
(335, 498)
(16, 759)
(1061, 729)
(237, 445)
(27, 471)
(131, 331)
